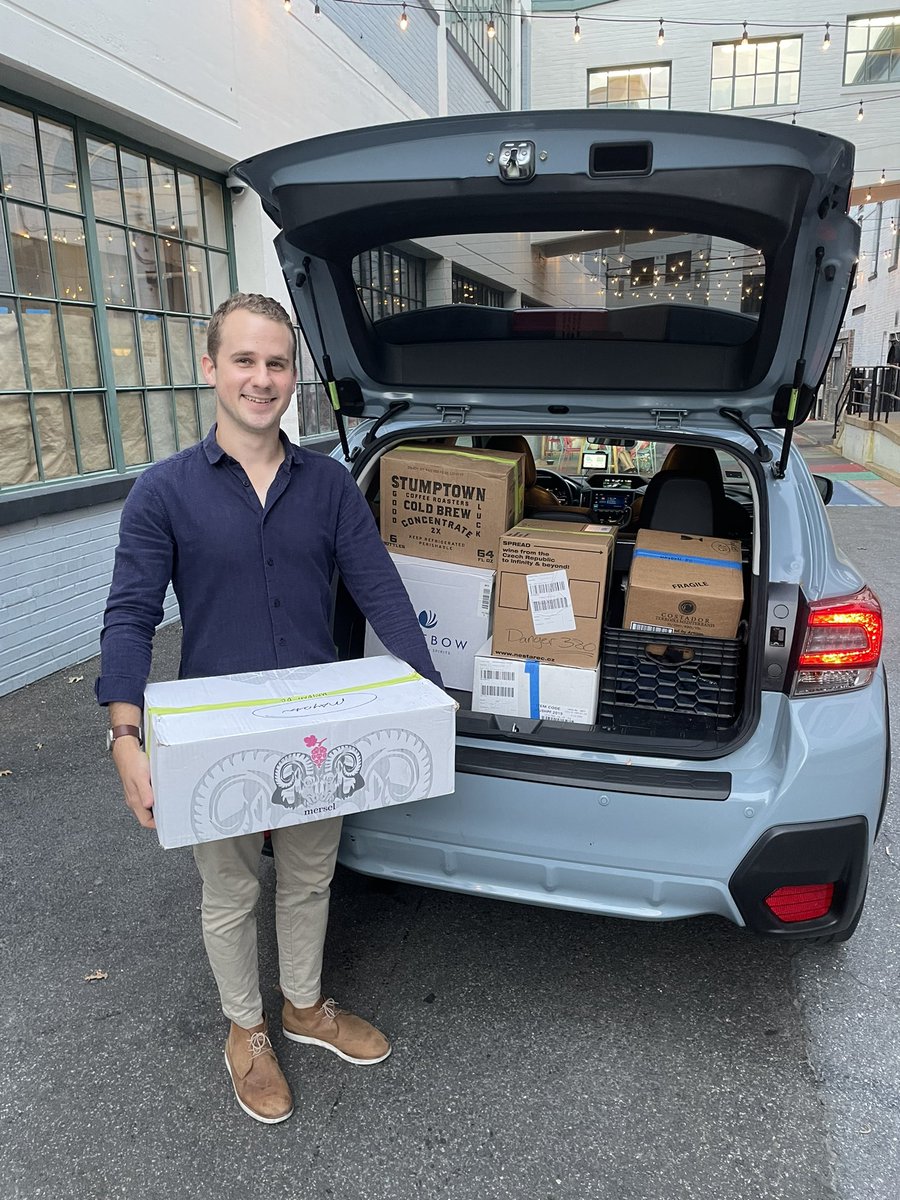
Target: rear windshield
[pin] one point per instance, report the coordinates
(645, 285)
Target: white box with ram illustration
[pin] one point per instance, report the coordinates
(236, 754)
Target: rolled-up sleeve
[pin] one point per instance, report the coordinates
(375, 585)
(141, 574)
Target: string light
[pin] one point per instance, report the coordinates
(491, 30)
(745, 40)
(404, 19)
(317, 12)
(661, 36)
(576, 35)
(794, 119)
(287, 6)
(882, 179)
(826, 41)
(860, 114)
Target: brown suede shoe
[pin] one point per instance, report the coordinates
(261, 1089)
(324, 1024)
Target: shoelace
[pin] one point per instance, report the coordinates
(330, 1008)
(259, 1043)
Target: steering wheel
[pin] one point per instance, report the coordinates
(563, 488)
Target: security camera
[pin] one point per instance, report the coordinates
(235, 185)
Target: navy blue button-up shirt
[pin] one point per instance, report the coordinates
(253, 582)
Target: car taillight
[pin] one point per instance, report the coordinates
(841, 646)
(804, 902)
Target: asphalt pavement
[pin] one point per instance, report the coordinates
(538, 1054)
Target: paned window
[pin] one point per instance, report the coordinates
(766, 71)
(643, 272)
(466, 290)
(647, 86)
(873, 49)
(678, 266)
(111, 261)
(468, 22)
(389, 281)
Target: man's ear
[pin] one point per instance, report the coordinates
(208, 367)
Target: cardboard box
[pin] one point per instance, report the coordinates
(517, 687)
(450, 504)
(240, 753)
(454, 605)
(550, 592)
(681, 583)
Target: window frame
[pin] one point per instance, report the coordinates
(860, 17)
(629, 67)
(463, 278)
(84, 484)
(756, 42)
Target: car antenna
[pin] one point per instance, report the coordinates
(329, 380)
(799, 371)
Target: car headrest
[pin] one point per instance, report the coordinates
(676, 502)
(516, 444)
(700, 461)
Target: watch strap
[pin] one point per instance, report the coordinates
(118, 731)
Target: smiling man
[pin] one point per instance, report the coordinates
(250, 530)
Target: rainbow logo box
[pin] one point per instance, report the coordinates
(236, 754)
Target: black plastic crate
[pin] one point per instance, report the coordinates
(669, 673)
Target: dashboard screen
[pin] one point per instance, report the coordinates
(594, 460)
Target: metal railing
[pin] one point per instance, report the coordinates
(869, 392)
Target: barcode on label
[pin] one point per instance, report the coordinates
(498, 673)
(486, 591)
(550, 585)
(551, 604)
(638, 627)
(506, 693)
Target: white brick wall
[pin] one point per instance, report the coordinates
(54, 577)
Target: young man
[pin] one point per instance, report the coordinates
(250, 528)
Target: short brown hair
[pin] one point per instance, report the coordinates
(263, 306)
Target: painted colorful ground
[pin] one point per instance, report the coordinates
(853, 484)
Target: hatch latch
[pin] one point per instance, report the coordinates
(669, 418)
(453, 414)
(515, 162)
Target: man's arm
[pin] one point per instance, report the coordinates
(142, 571)
(372, 580)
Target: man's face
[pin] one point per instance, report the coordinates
(254, 374)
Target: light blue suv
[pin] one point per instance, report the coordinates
(643, 304)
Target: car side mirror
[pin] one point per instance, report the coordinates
(825, 486)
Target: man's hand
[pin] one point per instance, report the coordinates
(133, 766)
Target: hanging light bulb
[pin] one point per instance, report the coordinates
(745, 39)
(826, 41)
(882, 179)
(491, 31)
(868, 194)
(661, 36)
(576, 35)
(794, 119)
(860, 114)
(404, 20)
(317, 12)
(287, 6)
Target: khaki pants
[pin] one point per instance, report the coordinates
(304, 864)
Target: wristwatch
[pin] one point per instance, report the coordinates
(118, 731)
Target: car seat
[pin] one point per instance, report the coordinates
(540, 502)
(688, 496)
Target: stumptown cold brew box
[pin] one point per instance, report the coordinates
(450, 504)
(236, 754)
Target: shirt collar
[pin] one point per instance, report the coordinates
(215, 453)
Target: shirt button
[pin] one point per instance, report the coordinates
(270, 562)
(276, 604)
(246, 482)
(281, 641)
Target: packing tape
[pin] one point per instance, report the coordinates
(532, 670)
(687, 558)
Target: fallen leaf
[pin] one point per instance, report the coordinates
(95, 976)
(3, 773)
(75, 678)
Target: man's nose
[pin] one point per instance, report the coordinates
(261, 376)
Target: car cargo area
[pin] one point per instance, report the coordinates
(576, 590)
